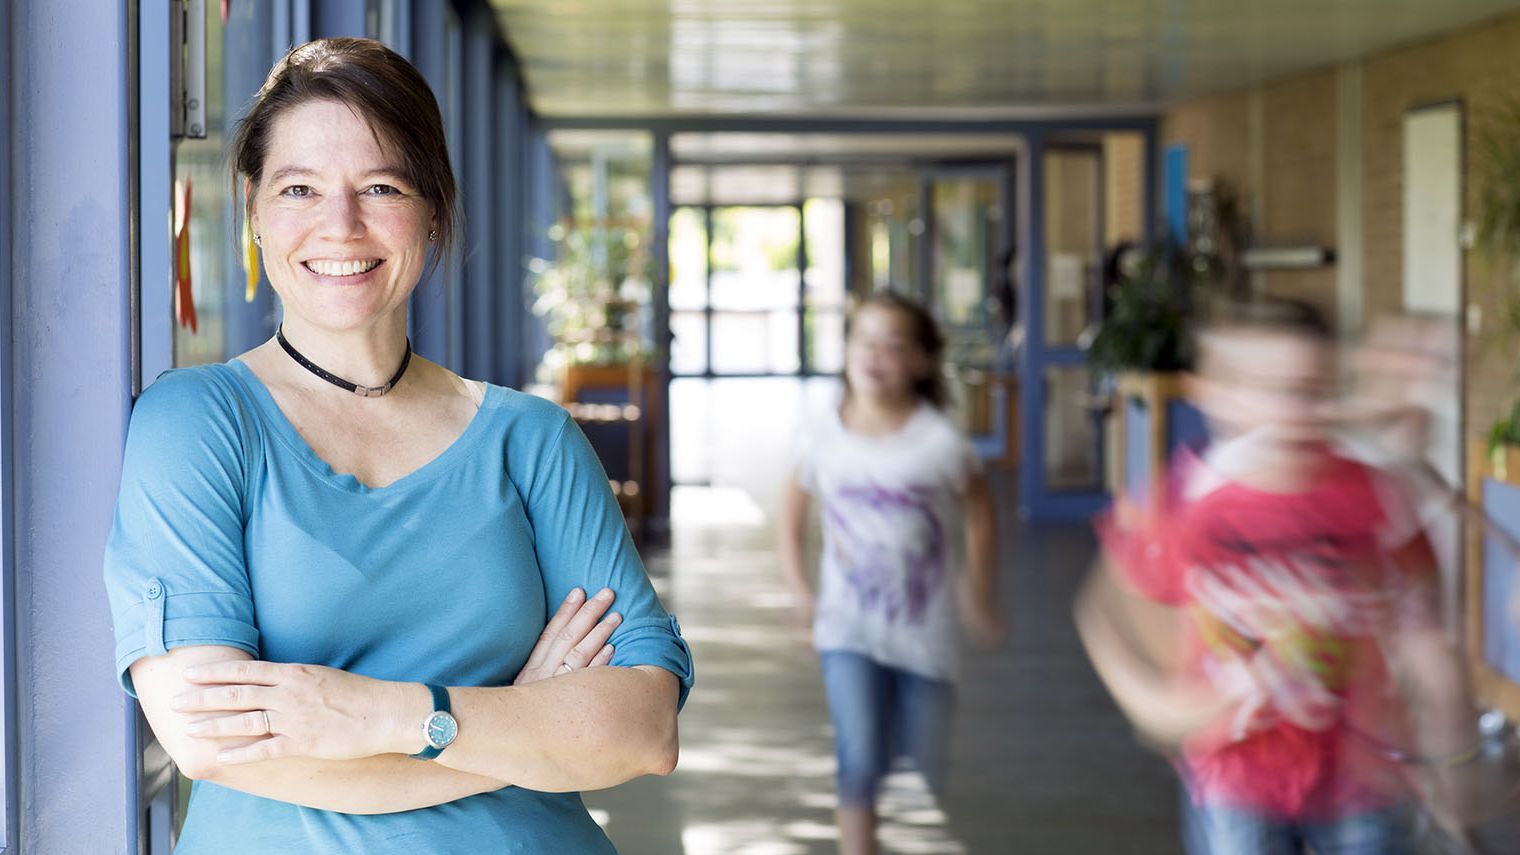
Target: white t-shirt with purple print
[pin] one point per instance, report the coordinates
(892, 536)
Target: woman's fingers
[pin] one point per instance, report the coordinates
(540, 655)
(575, 636)
(252, 723)
(223, 699)
(582, 654)
(574, 631)
(256, 752)
(603, 657)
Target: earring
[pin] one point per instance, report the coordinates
(432, 235)
(258, 240)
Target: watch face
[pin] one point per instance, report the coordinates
(441, 729)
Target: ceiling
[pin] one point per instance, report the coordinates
(938, 60)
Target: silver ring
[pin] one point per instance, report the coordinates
(564, 668)
(268, 728)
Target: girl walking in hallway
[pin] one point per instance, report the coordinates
(893, 479)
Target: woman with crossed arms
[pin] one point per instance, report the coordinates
(333, 561)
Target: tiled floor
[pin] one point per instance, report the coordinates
(1042, 763)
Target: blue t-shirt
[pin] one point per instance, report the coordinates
(231, 531)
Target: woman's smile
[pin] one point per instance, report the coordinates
(354, 271)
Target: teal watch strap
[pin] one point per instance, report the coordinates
(439, 728)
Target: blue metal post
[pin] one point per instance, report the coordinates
(69, 383)
(480, 228)
(9, 789)
(429, 314)
(1032, 310)
(508, 166)
(539, 179)
(659, 189)
(339, 18)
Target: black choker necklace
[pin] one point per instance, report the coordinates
(362, 391)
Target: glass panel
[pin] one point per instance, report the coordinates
(688, 344)
(825, 341)
(1123, 189)
(824, 222)
(597, 290)
(754, 258)
(1073, 430)
(200, 174)
(1073, 229)
(966, 220)
(688, 259)
(755, 342)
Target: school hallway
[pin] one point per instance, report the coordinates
(1041, 760)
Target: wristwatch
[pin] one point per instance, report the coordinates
(439, 728)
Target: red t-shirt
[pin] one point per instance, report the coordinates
(1287, 595)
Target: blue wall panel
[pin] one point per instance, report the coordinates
(70, 384)
(1137, 446)
(1501, 633)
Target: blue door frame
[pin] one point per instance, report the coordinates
(1038, 501)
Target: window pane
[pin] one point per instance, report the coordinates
(754, 258)
(688, 259)
(1073, 459)
(688, 346)
(1072, 232)
(755, 342)
(966, 221)
(824, 221)
(825, 332)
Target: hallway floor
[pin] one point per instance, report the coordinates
(1042, 763)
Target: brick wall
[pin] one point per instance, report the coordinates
(1296, 146)
(1477, 67)
(1298, 193)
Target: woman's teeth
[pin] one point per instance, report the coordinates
(341, 268)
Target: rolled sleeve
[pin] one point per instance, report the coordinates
(655, 641)
(175, 569)
(581, 540)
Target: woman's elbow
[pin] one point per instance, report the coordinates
(664, 751)
(196, 761)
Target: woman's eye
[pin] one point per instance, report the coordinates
(296, 191)
(381, 190)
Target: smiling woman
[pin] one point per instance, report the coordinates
(333, 561)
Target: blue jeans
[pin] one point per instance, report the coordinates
(881, 713)
(1222, 830)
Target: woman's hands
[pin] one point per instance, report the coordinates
(292, 710)
(573, 639)
(266, 710)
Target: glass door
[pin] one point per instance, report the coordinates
(1062, 460)
(970, 231)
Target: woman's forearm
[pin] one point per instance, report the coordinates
(585, 730)
(386, 783)
(378, 784)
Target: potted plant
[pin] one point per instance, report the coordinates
(594, 296)
(1139, 352)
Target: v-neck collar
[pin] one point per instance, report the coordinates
(282, 427)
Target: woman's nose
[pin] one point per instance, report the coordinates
(342, 218)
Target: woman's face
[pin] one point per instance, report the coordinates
(882, 358)
(344, 234)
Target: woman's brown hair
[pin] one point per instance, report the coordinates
(380, 86)
(926, 334)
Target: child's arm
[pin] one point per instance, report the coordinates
(1134, 645)
(791, 534)
(981, 609)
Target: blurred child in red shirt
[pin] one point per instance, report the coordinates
(1251, 607)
